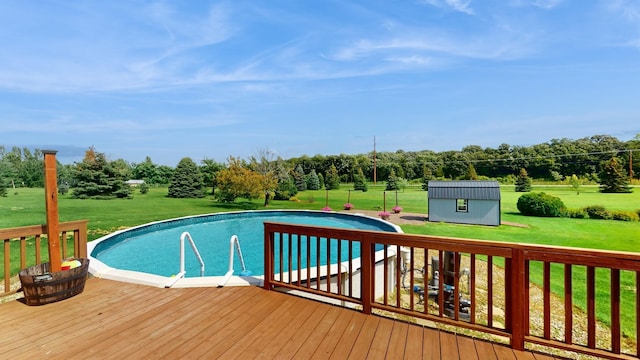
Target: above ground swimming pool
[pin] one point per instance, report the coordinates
(155, 248)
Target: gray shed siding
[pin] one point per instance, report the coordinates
(480, 212)
(483, 202)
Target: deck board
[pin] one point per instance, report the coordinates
(113, 320)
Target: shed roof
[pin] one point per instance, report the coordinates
(464, 189)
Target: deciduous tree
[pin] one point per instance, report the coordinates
(238, 181)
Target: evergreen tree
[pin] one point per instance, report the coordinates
(313, 183)
(209, 170)
(471, 173)
(321, 180)
(392, 181)
(5, 175)
(426, 176)
(299, 178)
(286, 189)
(97, 178)
(3, 186)
(614, 178)
(187, 181)
(332, 180)
(359, 181)
(523, 182)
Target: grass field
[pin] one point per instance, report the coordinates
(26, 207)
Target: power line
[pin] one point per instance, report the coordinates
(512, 159)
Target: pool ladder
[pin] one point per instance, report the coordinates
(234, 241)
(186, 236)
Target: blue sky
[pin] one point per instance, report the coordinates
(210, 79)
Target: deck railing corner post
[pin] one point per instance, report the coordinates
(268, 257)
(366, 286)
(518, 313)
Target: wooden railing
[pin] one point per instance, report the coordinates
(27, 241)
(485, 286)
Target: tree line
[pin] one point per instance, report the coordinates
(555, 160)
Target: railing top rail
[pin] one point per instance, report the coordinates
(32, 230)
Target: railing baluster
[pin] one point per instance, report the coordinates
(398, 273)
(411, 279)
(440, 283)
(38, 252)
(527, 310)
(23, 252)
(339, 261)
(318, 266)
(308, 261)
(290, 257)
(591, 307)
(615, 311)
(63, 242)
(568, 305)
(547, 299)
(299, 259)
(472, 290)
(7, 265)
(280, 249)
(385, 276)
(425, 281)
(328, 265)
(350, 268)
(490, 291)
(456, 285)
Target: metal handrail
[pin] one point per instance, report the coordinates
(186, 236)
(234, 241)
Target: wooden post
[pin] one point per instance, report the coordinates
(51, 201)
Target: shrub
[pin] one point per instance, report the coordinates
(540, 204)
(577, 214)
(625, 215)
(597, 212)
(286, 189)
(63, 188)
(144, 188)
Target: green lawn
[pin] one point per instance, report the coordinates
(26, 207)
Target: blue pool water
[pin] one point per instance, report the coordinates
(155, 248)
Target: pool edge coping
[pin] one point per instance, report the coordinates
(101, 270)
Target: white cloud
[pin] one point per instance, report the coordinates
(502, 46)
(543, 4)
(630, 10)
(457, 5)
(110, 47)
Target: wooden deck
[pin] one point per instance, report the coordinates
(117, 320)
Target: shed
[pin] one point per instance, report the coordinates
(465, 201)
(134, 183)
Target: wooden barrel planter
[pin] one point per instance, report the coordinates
(40, 286)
